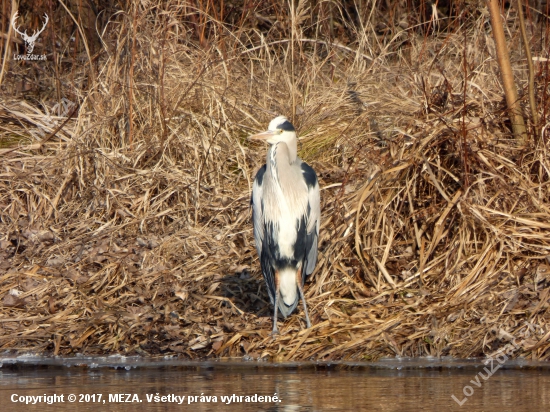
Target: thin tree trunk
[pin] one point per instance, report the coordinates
(510, 91)
(532, 100)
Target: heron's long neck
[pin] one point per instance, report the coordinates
(280, 157)
(284, 177)
(282, 154)
(292, 147)
(280, 162)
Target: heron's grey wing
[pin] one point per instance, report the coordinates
(313, 219)
(262, 242)
(257, 209)
(267, 270)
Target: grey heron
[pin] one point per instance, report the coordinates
(286, 212)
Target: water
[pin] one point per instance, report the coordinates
(107, 383)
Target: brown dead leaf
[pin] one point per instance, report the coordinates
(29, 233)
(542, 274)
(11, 301)
(200, 342)
(217, 345)
(55, 261)
(182, 294)
(76, 277)
(29, 284)
(51, 305)
(46, 236)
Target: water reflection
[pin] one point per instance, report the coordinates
(296, 388)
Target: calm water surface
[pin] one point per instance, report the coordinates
(393, 385)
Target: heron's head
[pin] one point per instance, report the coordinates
(279, 130)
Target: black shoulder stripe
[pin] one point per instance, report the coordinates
(259, 180)
(309, 175)
(260, 175)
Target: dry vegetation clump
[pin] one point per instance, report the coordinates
(128, 230)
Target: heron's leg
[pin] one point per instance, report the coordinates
(275, 331)
(301, 290)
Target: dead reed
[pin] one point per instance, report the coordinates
(129, 230)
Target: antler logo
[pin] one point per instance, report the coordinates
(29, 40)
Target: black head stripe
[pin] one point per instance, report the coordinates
(286, 126)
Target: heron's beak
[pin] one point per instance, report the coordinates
(262, 136)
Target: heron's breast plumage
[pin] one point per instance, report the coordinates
(285, 207)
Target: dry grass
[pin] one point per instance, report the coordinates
(129, 231)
